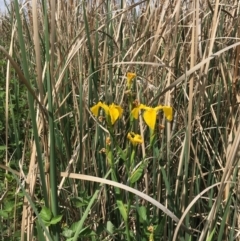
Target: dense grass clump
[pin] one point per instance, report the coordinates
(120, 120)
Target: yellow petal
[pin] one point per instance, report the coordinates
(120, 110)
(134, 138)
(150, 116)
(105, 107)
(168, 112)
(114, 114)
(144, 107)
(115, 111)
(138, 139)
(135, 111)
(159, 107)
(129, 135)
(95, 108)
(130, 77)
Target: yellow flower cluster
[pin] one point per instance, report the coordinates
(130, 77)
(134, 138)
(149, 115)
(114, 111)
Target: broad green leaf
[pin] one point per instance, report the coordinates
(9, 177)
(79, 202)
(137, 173)
(67, 233)
(74, 226)
(122, 153)
(46, 214)
(110, 227)
(122, 209)
(3, 214)
(142, 212)
(56, 219)
(9, 206)
(46, 223)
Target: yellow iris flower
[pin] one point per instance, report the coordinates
(150, 114)
(134, 138)
(114, 111)
(130, 77)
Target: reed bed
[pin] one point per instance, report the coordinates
(120, 120)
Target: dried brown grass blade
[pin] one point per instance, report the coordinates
(192, 70)
(225, 178)
(126, 188)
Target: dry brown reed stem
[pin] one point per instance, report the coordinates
(193, 60)
(37, 50)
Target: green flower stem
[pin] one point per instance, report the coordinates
(120, 204)
(132, 159)
(152, 137)
(121, 207)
